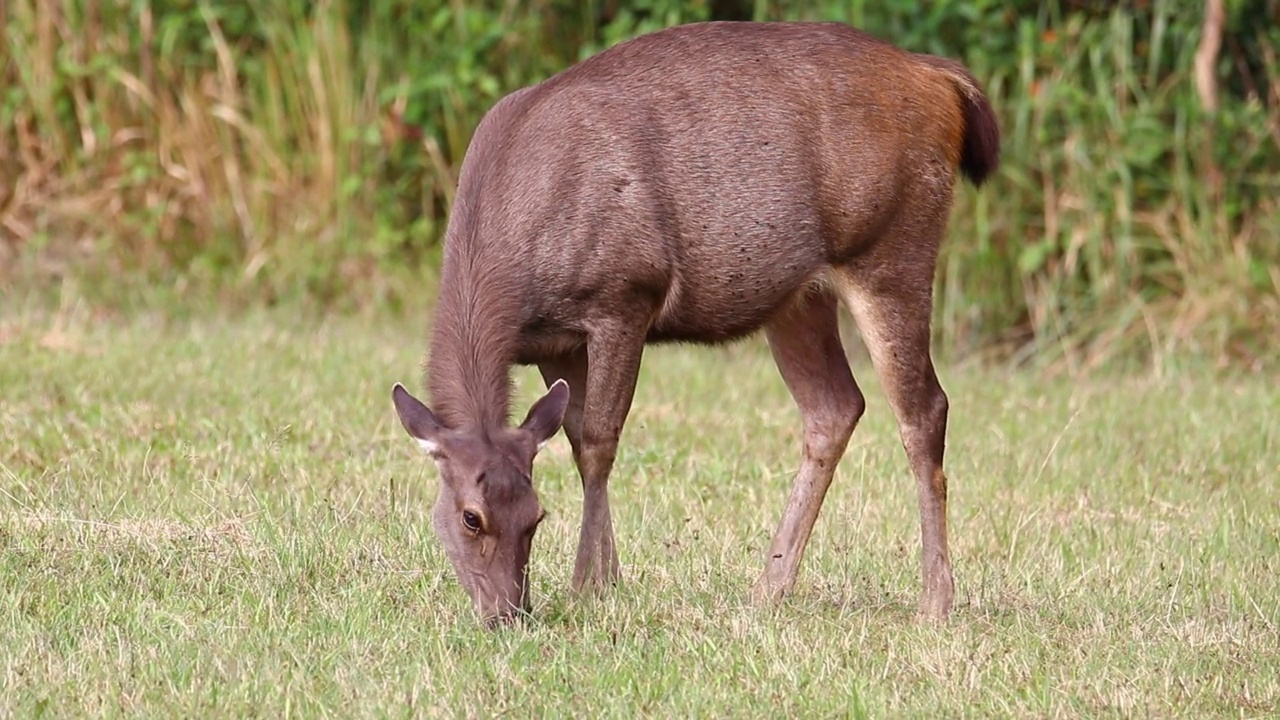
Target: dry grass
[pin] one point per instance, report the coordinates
(76, 532)
(221, 517)
(173, 162)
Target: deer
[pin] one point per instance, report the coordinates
(698, 184)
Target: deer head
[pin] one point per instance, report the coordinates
(487, 510)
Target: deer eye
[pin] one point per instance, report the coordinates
(471, 521)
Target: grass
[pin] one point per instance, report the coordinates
(208, 516)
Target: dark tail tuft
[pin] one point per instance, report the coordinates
(981, 152)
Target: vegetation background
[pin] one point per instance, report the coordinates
(219, 231)
(306, 151)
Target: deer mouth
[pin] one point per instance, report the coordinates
(496, 610)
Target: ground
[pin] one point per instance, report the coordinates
(205, 516)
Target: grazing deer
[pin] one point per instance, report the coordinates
(695, 184)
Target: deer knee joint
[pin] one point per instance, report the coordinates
(847, 414)
(597, 459)
(827, 435)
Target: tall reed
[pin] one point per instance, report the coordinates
(280, 149)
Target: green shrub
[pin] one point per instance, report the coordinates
(282, 149)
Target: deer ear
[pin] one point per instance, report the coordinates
(547, 413)
(418, 420)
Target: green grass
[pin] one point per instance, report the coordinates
(217, 517)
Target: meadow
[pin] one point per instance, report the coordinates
(216, 514)
(220, 228)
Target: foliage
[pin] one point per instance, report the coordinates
(308, 148)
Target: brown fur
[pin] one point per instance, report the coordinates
(699, 184)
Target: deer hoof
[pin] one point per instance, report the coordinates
(933, 609)
(767, 591)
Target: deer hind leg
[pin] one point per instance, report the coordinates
(891, 300)
(805, 342)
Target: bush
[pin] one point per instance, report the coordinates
(282, 149)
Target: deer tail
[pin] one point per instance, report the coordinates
(980, 150)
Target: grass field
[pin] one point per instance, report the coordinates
(207, 517)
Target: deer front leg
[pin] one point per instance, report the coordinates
(613, 362)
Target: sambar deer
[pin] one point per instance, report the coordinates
(696, 184)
